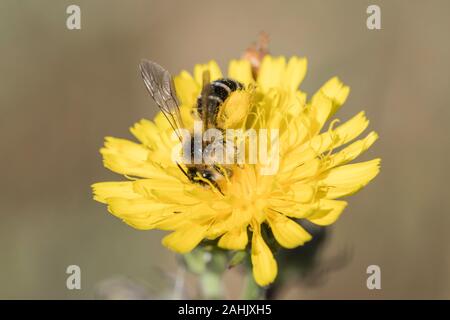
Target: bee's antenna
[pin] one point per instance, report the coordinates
(182, 170)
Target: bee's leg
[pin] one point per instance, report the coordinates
(226, 173)
(215, 184)
(211, 183)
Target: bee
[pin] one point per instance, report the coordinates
(160, 85)
(212, 98)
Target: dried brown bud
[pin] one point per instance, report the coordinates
(256, 52)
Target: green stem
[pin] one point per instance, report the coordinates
(251, 289)
(211, 285)
(210, 266)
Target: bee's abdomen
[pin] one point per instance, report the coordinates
(219, 91)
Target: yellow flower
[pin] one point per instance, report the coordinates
(310, 177)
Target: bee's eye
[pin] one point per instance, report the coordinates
(206, 175)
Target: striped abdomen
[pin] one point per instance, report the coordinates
(219, 90)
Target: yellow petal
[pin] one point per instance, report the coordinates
(328, 212)
(163, 222)
(146, 132)
(126, 157)
(165, 190)
(271, 72)
(123, 189)
(346, 180)
(297, 172)
(264, 265)
(172, 217)
(352, 151)
(295, 73)
(129, 207)
(333, 91)
(122, 164)
(297, 102)
(161, 122)
(121, 146)
(212, 67)
(219, 227)
(240, 70)
(235, 239)
(187, 115)
(187, 88)
(288, 233)
(293, 209)
(343, 134)
(303, 193)
(185, 239)
(229, 220)
(170, 222)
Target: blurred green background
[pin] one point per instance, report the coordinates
(62, 91)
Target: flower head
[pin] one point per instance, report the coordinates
(309, 179)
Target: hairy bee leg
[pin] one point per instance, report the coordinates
(224, 172)
(213, 184)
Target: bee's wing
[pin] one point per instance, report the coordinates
(159, 83)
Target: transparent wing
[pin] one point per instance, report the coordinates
(160, 85)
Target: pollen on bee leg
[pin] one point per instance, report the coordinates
(234, 110)
(212, 186)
